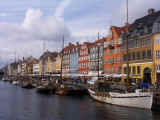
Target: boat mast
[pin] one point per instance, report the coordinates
(62, 57)
(15, 54)
(43, 61)
(98, 56)
(127, 30)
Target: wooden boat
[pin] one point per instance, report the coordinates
(46, 88)
(43, 89)
(137, 98)
(27, 85)
(69, 90)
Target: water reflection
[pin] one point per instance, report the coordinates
(21, 104)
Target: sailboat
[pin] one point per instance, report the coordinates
(63, 88)
(104, 92)
(137, 99)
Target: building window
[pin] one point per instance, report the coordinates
(133, 56)
(138, 43)
(138, 70)
(158, 68)
(130, 70)
(125, 70)
(138, 55)
(158, 54)
(134, 70)
(143, 54)
(149, 43)
(157, 40)
(124, 45)
(149, 54)
(132, 44)
(129, 56)
(143, 43)
(124, 57)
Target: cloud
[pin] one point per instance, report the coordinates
(3, 14)
(86, 19)
(27, 38)
(60, 9)
(137, 9)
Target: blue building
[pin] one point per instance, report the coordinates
(74, 55)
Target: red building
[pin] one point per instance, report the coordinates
(83, 60)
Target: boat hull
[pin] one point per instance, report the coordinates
(136, 100)
(15, 82)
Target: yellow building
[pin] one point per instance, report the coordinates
(143, 49)
(40, 67)
(136, 71)
(46, 62)
(29, 65)
(50, 64)
(156, 56)
(58, 64)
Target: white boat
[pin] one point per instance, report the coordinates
(15, 82)
(136, 100)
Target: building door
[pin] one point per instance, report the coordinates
(147, 76)
(158, 77)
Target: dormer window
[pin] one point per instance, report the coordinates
(145, 30)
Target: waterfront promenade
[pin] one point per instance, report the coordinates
(23, 104)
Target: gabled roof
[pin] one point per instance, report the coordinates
(116, 31)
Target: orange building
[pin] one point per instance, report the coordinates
(113, 51)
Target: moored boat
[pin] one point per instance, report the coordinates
(64, 89)
(43, 89)
(27, 85)
(137, 99)
(107, 92)
(15, 82)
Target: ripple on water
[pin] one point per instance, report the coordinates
(22, 104)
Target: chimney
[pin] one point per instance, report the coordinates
(151, 11)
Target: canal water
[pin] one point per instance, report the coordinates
(21, 104)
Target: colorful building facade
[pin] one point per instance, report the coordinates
(83, 60)
(143, 48)
(58, 64)
(96, 51)
(66, 59)
(156, 56)
(113, 51)
(74, 55)
(46, 62)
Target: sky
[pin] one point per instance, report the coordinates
(30, 27)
